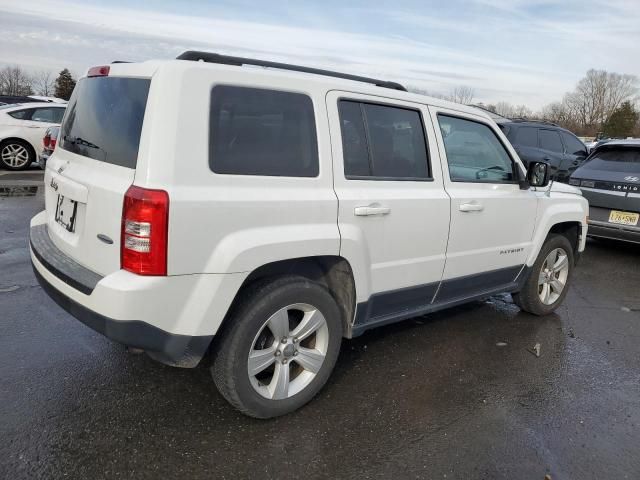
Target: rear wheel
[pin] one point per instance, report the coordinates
(16, 154)
(549, 278)
(279, 348)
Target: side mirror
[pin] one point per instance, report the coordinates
(538, 174)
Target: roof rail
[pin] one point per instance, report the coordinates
(545, 122)
(195, 56)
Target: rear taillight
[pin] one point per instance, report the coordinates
(52, 143)
(145, 224)
(46, 140)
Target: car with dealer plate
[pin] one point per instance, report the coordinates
(265, 214)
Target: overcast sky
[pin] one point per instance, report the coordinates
(513, 50)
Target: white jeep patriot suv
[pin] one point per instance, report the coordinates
(264, 211)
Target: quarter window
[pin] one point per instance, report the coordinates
(550, 140)
(383, 142)
(262, 132)
(474, 152)
(20, 114)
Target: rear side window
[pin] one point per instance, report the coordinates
(383, 142)
(104, 119)
(262, 132)
(574, 146)
(527, 137)
(550, 140)
(47, 114)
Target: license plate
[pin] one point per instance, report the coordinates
(623, 218)
(66, 210)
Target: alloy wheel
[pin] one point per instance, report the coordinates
(553, 275)
(15, 155)
(288, 351)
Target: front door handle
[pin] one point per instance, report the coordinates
(471, 207)
(373, 209)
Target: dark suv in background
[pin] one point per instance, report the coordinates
(537, 141)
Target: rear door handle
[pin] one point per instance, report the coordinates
(471, 207)
(373, 209)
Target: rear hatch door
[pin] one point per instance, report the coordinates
(610, 177)
(92, 167)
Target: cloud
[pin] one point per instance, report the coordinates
(512, 50)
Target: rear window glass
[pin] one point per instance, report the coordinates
(262, 132)
(382, 142)
(104, 119)
(625, 160)
(47, 115)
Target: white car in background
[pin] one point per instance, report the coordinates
(22, 127)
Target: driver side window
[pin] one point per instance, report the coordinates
(474, 152)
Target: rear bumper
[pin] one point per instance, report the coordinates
(599, 225)
(615, 233)
(173, 318)
(168, 348)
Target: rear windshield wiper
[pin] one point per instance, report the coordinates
(80, 141)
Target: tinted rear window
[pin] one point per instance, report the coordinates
(104, 119)
(382, 142)
(262, 132)
(625, 160)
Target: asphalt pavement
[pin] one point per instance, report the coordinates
(455, 395)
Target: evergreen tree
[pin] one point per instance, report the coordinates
(622, 121)
(65, 84)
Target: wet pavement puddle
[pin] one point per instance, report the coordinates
(19, 190)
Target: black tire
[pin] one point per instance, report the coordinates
(17, 143)
(251, 310)
(528, 299)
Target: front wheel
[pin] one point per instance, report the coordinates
(279, 346)
(549, 278)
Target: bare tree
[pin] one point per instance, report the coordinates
(462, 94)
(505, 109)
(513, 111)
(15, 81)
(43, 83)
(597, 96)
